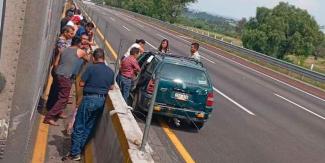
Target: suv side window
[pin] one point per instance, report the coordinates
(152, 66)
(142, 59)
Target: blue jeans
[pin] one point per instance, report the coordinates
(88, 113)
(125, 85)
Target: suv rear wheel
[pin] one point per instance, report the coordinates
(198, 125)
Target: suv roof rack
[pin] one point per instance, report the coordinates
(163, 55)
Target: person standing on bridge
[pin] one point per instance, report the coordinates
(78, 71)
(128, 69)
(66, 19)
(139, 43)
(77, 12)
(75, 23)
(64, 78)
(88, 30)
(164, 46)
(97, 80)
(63, 42)
(195, 51)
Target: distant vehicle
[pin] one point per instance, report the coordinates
(184, 92)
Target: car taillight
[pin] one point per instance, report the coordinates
(209, 101)
(151, 86)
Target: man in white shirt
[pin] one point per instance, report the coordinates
(194, 51)
(138, 44)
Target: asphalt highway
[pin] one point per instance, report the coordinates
(256, 118)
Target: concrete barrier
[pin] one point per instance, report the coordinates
(118, 136)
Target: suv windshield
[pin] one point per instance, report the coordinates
(183, 74)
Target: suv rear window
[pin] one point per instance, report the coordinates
(184, 74)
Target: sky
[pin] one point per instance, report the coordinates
(247, 8)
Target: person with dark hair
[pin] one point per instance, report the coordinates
(66, 19)
(164, 46)
(88, 30)
(77, 12)
(194, 51)
(97, 80)
(83, 23)
(71, 9)
(78, 70)
(129, 68)
(63, 42)
(139, 43)
(64, 78)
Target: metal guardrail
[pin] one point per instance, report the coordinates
(319, 77)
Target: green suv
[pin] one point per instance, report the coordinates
(184, 91)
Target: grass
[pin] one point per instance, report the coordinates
(319, 64)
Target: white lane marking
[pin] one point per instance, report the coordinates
(126, 28)
(140, 25)
(265, 75)
(207, 59)
(229, 59)
(184, 37)
(151, 45)
(112, 19)
(301, 107)
(233, 101)
(161, 36)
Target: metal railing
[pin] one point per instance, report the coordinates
(316, 76)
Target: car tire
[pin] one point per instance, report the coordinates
(198, 125)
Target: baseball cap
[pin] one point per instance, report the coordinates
(75, 18)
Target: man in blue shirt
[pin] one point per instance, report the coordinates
(87, 30)
(97, 80)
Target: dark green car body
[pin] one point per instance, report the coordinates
(184, 90)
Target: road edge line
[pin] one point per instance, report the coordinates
(177, 143)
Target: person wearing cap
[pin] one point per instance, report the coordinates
(66, 19)
(78, 13)
(74, 22)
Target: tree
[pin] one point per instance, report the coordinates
(282, 30)
(320, 50)
(166, 10)
(240, 25)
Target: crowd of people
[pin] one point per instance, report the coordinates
(129, 65)
(75, 61)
